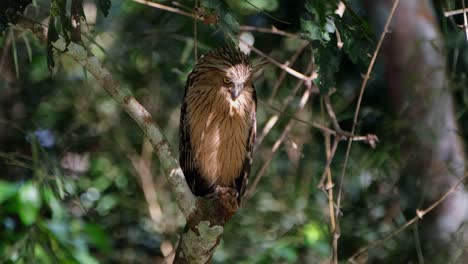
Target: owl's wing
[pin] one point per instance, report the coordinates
(243, 178)
(187, 158)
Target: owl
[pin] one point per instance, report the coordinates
(218, 122)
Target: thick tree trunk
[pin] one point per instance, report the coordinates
(432, 152)
(205, 227)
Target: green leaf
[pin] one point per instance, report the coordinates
(7, 190)
(328, 63)
(355, 44)
(286, 251)
(60, 228)
(227, 21)
(9, 11)
(52, 36)
(58, 13)
(97, 236)
(54, 204)
(65, 21)
(28, 47)
(29, 203)
(106, 203)
(85, 258)
(312, 233)
(312, 30)
(321, 10)
(15, 58)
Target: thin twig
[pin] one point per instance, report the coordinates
(187, 8)
(6, 50)
(10, 159)
(339, 11)
(142, 165)
(266, 14)
(419, 215)
(272, 30)
(417, 243)
(339, 42)
(274, 118)
(361, 93)
(283, 73)
(169, 8)
(179, 11)
(283, 66)
(331, 207)
(370, 139)
(455, 12)
(327, 166)
(279, 141)
(329, 108)
(465, 21)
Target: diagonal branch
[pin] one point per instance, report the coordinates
(206, 216)
(194, 15)
(169, 8)
(284, 67)
(175, 176)
(282, 76)
(272, 30)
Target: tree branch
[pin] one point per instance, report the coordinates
(175, 176)
(206, 216)
(419, 215)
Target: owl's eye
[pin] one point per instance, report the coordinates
(226, 80)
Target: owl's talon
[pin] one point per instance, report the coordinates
(226, 191)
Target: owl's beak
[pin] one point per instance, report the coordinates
(235, 91)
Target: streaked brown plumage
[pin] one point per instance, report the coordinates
(218, 122)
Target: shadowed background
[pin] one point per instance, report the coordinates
(80, 184)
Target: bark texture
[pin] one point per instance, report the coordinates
(205, 216)
(432, 152)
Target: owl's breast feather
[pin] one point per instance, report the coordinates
(219, 139)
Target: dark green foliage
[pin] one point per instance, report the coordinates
(104, 6)
(322, 28)
(219, 12)
(321, 11)
(60, 22)
(58, 17)
(9, 10)
(70, 189)
(52, 36)
(323, 20)
(59, 12)
(37, 225)
(328, 58)
(356, 43)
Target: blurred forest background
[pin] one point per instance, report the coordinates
(79, 183)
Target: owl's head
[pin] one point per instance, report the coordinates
(231, 69)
